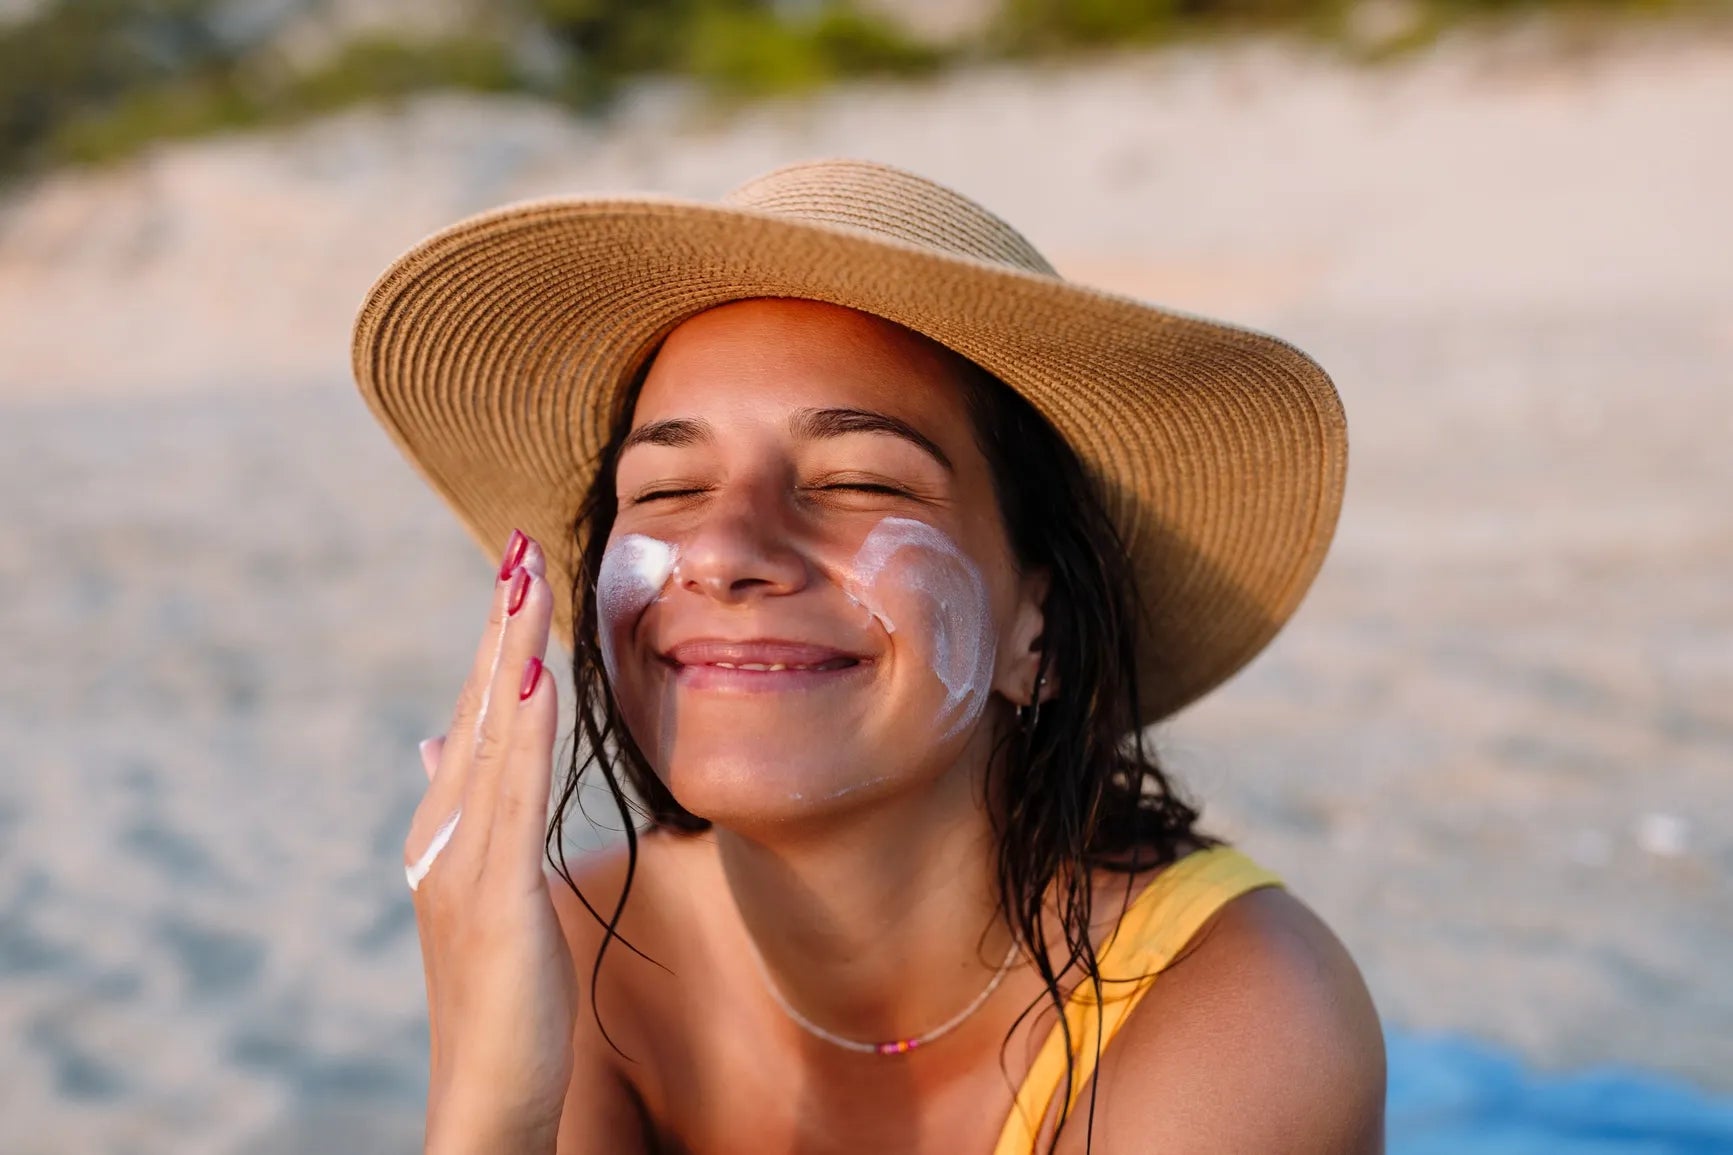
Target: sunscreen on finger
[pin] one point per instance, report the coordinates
(417, 870)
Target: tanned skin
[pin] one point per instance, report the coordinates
(849, 846)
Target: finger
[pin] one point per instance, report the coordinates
(472, 700)
(430, 750)
(415, 871)
(526, 637)
(532, 565)
(521, 808)
(445, 790)
(535, 558)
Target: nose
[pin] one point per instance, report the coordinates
(744, 550)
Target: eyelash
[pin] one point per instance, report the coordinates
(664, 495)
(853, 487)
(878, 487)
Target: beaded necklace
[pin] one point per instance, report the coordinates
(898, 1046)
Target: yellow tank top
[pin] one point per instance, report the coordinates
(1157, 924)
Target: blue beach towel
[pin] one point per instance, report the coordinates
(1452, 1096)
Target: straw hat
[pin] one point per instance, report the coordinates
(493, 353)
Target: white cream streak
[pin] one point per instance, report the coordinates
(963, 646)
(634, 570)
(418, 870)
(487, 689)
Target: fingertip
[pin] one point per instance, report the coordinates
(529, 588)
(430, 750)
(535, 560)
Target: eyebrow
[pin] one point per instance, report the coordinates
(674, 433)
(817, 424)
(812, 424)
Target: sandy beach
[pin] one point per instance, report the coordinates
(1494, 749)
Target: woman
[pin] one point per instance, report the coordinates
(888, 544)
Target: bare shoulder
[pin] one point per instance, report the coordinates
(604, 1108)
(660, 877)
(1260, 1037)
(597, 880)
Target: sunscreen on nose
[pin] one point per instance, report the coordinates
(952, 596)
(634, 570)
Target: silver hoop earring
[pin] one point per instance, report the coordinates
(1028, 716)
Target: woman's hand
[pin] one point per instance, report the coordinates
(501, 994)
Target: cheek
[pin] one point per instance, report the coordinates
(634, 570)
(932, 599)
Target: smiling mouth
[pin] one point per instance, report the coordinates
(758, 664)
(841, 663)
(753, 678)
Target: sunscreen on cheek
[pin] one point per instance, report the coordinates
(634, 570)
(951, 592)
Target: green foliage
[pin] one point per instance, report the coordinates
(77, 55)
(91, 80)
(1029, 27)
(377, 68)
(607, 41)
(857, 44)
(1036, 25)
(737, 47)
(228, 99)
(751, 53)
(119, 127)
(748, 53)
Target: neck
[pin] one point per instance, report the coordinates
(886, 925)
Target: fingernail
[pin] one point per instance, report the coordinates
(514, 553)
(520, 588)
(532, 675)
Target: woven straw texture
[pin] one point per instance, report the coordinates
(494, 351)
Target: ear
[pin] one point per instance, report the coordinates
(1020, 651)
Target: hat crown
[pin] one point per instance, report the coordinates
(889, 202)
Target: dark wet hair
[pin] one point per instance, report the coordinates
(1075, 793)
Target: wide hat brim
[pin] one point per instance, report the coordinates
(495, 351)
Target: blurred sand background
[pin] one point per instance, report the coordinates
(1493, 749)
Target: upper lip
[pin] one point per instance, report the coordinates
(754, 652)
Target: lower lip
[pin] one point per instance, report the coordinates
(725, 680)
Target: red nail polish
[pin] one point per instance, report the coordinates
(514, 553)
(520, 588)
(532, 676)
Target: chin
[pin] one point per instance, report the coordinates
(744, 784)
(767, 761)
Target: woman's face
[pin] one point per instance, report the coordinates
(808, 599)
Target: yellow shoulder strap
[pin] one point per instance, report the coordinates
(1155, 927)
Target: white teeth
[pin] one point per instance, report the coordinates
(725, 665)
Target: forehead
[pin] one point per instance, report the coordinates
(754, 358)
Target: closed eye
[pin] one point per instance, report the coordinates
(678, 493)
(666, 495)
(866, 487)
